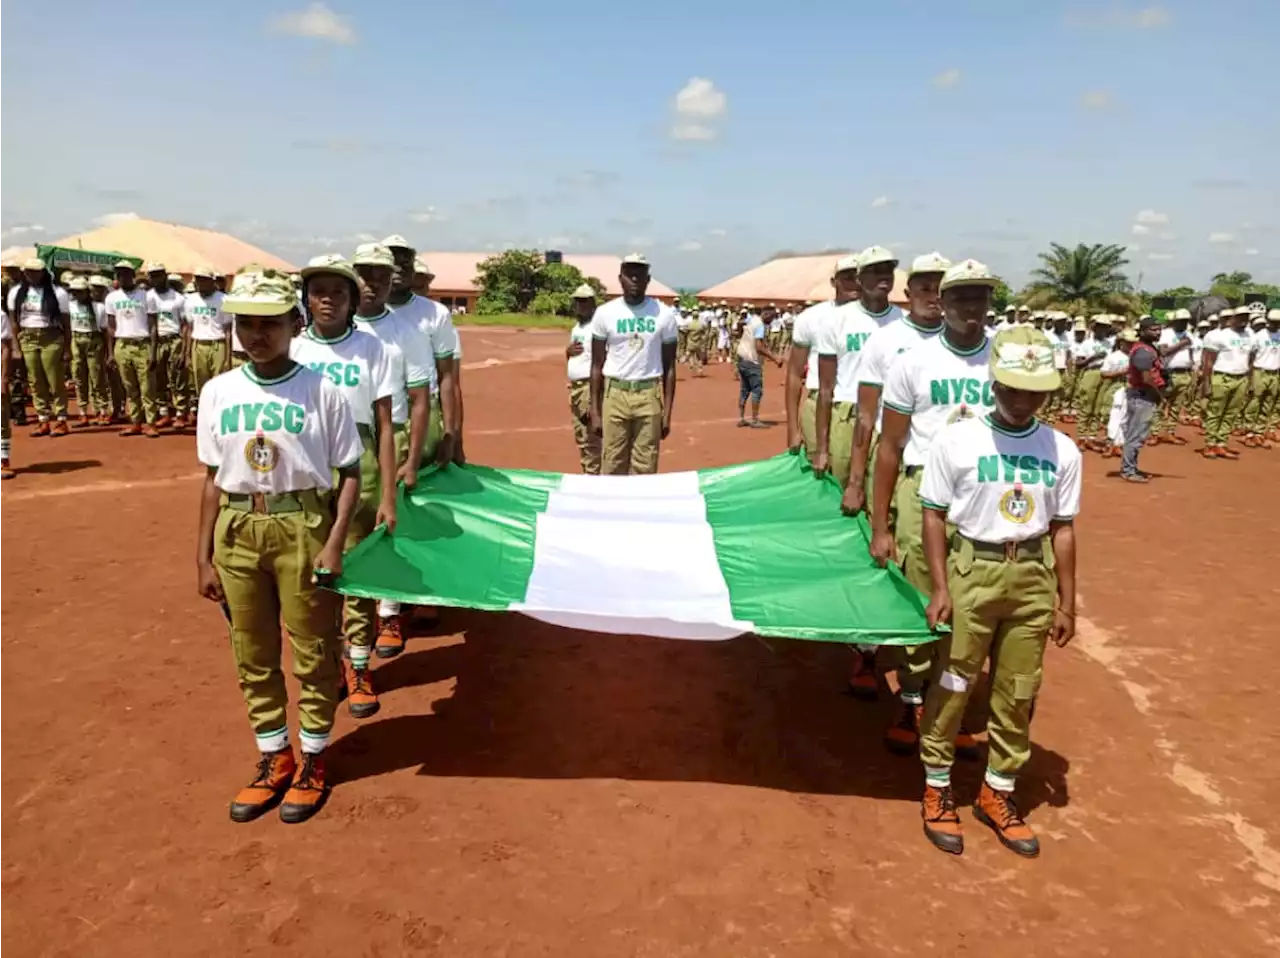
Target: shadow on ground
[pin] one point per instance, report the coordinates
(538, 702)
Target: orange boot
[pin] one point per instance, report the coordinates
(390, 641)
(6, 471)
(42, 428)
(308, 793)
(863, 683)
(941, 821)
(60, 428)
(996, 810)
(903, 737)
(362, 701)
(275, 772)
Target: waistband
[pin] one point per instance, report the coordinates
(274, 504)
(169, 337)
(86, 332)
(912, 470)
(633, 385)
(218, 341)
(128, 340)
(1028, 550)
(1218, 372)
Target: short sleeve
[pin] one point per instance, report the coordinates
(206, 423)
(380, 368)
(64, 299)
(180, 310)
(100, 315)
(598, 328)
(871, 367)
(344, 441)
(803, 333)
(153, 302)
(670, 327)
(937, 488)
(1211, 342)
(1068, 487)
(757, 331)
(419, 364)
(1142, 359)
(898, 394)
(444, 336)
(827, 338)
(13, 298)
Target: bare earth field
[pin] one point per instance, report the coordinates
(528, 790)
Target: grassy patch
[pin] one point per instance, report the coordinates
(525, 320)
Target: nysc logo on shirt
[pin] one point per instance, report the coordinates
(262, 417)
(637, 324)
(261, 453)
(1031, 470)
(945, 392)
(340, 374)
(1016, 507)
(853, 342)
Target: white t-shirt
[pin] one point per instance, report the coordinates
(752, 333)
(408, 353)
(1197, 349)
(881, 352)
(204, 313)
(634, 336)
(130, 313)
(355, 362)
(168, 309)
(1115, 362)
(579, 366)
(435, 322)
(30, 316)
(997, 485)
(87, 317)
(273, 436)
(1266, 344)
(5, 331)
(937, 385)
(1059, 343)
(1233, 350)
(1181, 360)
(1089, 348)
(844, 337)
(683, 320)
(806, 333)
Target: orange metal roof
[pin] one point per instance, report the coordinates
(14, 255)
(180, 248)
(456, 272)
(791, 279)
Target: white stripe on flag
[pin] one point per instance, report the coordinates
(630, 555)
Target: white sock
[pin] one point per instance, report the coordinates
(276, 741)
(359, 655)
(313, 743)
(937, 776)
(1001, 783)
(4, 449)
(911, 698)
(387, 609)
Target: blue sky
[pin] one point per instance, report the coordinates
(710, 134)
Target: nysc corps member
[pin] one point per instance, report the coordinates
(633, 374)
(1005, 580)
(272, 526)
(578, 370)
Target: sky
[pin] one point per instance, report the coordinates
(709, 134)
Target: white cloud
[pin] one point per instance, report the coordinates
(1159, 257)
(20, 229)
(1167, 235)
(1140, 230)
(639, 242)
(948, 78)
(880, 202)
(1252, 251)
(316, 22)
(428, 214)
(114, 219)
(1151, 218)
(364, 238)
(1119, 17)
(1134, 247)
(718, 232)
(1150, 18)
(1222, 238)
(689, 246)
(1096, 100)
(699, 107)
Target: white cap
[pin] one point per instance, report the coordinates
(1259, 319)
(1273, 314)
(396, 241)
(933, 262)
(873, 255)
(635, 259)
(584, 292)
(968, 272)
(846, 263)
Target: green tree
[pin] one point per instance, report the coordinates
(1082, 280)
(687, 298)
(1181, 295)
(1232, 285)
(1001, 296)
(520, 281)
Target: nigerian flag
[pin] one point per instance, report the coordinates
(759, 547)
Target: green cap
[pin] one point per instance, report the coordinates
(330, 263)
(260, 292)
(1022, 358)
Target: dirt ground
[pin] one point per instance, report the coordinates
(528, 790)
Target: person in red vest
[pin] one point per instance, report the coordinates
(1146, 385)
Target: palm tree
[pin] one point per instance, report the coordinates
(1082, 280)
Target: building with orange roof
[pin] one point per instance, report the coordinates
(181, 249)
(791, 280)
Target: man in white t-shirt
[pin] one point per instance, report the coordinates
(170, 371)
(132, 344)
(1226, 378)
(802, 364)
(752, 347)
(1174, 345)
(578, 371)
(1265, 408)
(633, 374)
(209, 350)
(38, 314)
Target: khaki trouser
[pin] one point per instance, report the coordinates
(265, 565)
(88, 366)
(840, 439)
(1001, 609)
(809, 422)
(139, 385)
(1177, 400)
(1090, 415)
(682, 344)
(208, 356)
(915, 662)
(632, 413)
(588, 442)
(361, 615)
(42, 351)
(697, 348)
(1226, 403)
(1259, 415)
(1103, 404)
(171, 388)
